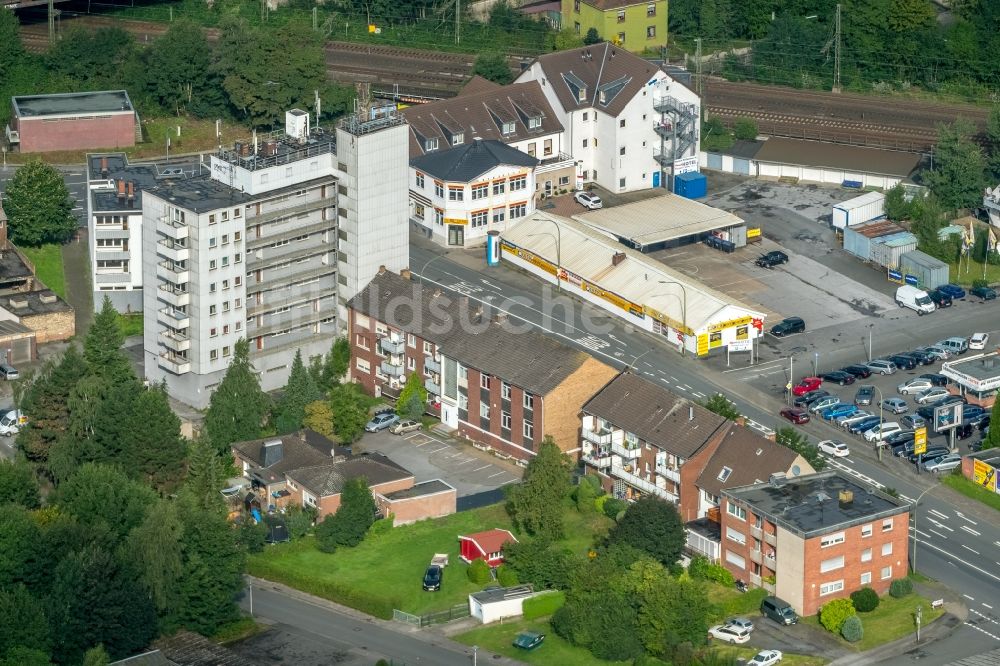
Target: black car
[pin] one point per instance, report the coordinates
(903, 362)
(940, 298)
(861, 426)
(985, 293)
(838, 377)
(922, 357)
(772, 259)
(934, 379)
(931, 453)
(900, 437)
(788, 326)
(432, 578)
(902, 449)
(964, 431)
(806, 398)
(859, 371)
(984, 423)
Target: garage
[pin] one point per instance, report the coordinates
(817, 162)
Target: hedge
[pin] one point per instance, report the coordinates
(900, 588)
(543, 605)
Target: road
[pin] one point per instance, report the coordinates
(957, 543)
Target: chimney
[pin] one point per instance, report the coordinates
(104, 167)
(405, 274)
(121, 191)
(381, 269)
(618, 258)
(846, 498)
(131, 193)
(691, 413)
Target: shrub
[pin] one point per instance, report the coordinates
(251, 536)
(701, 569)
(745, 128)
(506, 576)
(853, 631)
(543, 605)
(834, 614)
(381, 526)
(865, 600)
(585, 496)
(326, 535)
(614, 507)
(901, 587)
(478, 572)
(299, 520)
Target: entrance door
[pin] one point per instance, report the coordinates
(456, 234)
(548, 188)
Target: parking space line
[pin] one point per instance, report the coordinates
(463, 462)
(441, 449)
(938, 533)
(483, 467)
(503, 472)
(460, 453)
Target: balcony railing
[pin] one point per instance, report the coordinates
(391, 370)
(598, 459)
(166, 270)
(172, 228)
(674, 474)
(431, 365)
(174, 318)
(770, 538)
(770, 562)
(641, 484)
(602, 437)
(757, 533)
(756, 556)
(173, 251)
(175, 341)
(432, 387)
(175, 364)
(625, 450)
(176, 297)
(390, 346)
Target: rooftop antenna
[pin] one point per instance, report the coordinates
(318, 102)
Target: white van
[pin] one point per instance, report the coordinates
(956, 345)
(11, 422)
(915, 299)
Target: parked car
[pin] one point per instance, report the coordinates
(914, 385)
(938, 352)
(805, 399)
(433, 578)
(935, 379)
(882, 367)
(945, 463)
(528, 640)
(741, 623)
(788, 326)
(403, 427)
(864, 395)
(984, 423)
(838, 377)
(381, 422)
(912, 421)
(728, 634)
(765, 658)
(900, 437)
(956, 344)
(11, 422)
(8, 371)
(902, 449)
(979, 340)
(806, 384)
(772, 259)
(858, 370)
(921, 357)
(964, 431)
(931, 395)
(940, 298)
(861, 426)
(880, 432)
(833, 447)
(902, 361)
(952, 290)
(971, 412)
(824, 402)
(845, 421)
(985, 293)
(796, 415)
(835, 411)
(778, 610)
(588, 200)
(895, 405)
(931, 453)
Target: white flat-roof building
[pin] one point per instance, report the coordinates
(977, 377)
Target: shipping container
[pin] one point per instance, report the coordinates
(691, 185)
(857, 243)
(930, 272)
(858, 210)
(887, 250)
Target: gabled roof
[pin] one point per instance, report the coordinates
(276, 455)
(480, 111)
(750, 458)
(598, 68)
(478, 84)
(328, 479)
(655, 415)
(490, 541)
(468, 161)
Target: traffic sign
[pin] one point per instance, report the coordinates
(920, 441)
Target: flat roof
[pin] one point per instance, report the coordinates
(493, 594)
(658, 219)
(990, 456)
(68, 104)
(810, 505)
(588, 254)
(105, 199)
(44, 301)
(980, 372)
(800, 152)
(421, 489)
(200, 194)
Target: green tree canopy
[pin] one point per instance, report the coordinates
(153, 448)
(103, 346)
(319, 417)
(179, 75)
(102, 494)
(653, 526)
(38, 206)
(959, 173)
(349, 525)
(22, 621)
(300, 390)
(536, 504)
(238, 408)
(412, 398)
(722, 406)
(350, 411)
(796, 441)
(992, 439)
(20, 555)
(155, 547)
(493, 67)
(18, 485)
(46, 404)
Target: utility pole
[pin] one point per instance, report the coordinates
(699, 88)
(458, 20)
(52, 24)
(836, 54)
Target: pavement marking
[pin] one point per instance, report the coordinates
(968, 597)
(483, 467)
(503, 472)
(994, 637)
(681, 388)
(939, 534)
(944, 527)
(441, 449)
(970, 549)
(684, 387)
(970, 530)
(759, 365)
(467, 461)
(593, 342)
(985, 617)
(457, 454)
(968, 520)
(996, 543)
(965, 562)
(938, 514)
(697, 394)
(987, 605)
(908, 499)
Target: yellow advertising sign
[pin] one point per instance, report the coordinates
(742, 321)
(613, 298)
(753, 232)
(530, 257)
(984, 475)
(702, 345)
(664, 319)
(920, 440)
(455, 220)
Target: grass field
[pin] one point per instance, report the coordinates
(965, 278)
(893, 619)
(555, 650)
(131, 324)
(972, 490)
(48, 263)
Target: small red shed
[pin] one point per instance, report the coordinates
(486, 545)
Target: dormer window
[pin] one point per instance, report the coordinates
(458, 139)
(430, 144)
(534, 122)
(508, 127)
(581, 95)
(602, 97)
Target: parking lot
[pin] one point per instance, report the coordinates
(432, 456)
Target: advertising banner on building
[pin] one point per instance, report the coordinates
(984, 474)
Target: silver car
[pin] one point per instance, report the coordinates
(914, 385)
(932, 394)
(895, 404)
(945, 463)
(882, 367)
(823, 403)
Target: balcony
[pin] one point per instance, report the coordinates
(391, 370)
(770, 562)
(174, 229)
(178, 298)
(174, 363)
(432, 387)
(554, 162)
(430, 365)
(390, 346)
(174, 318)
(166, 270)
(756, 556)
(173, 251)
(672, 473)
(641, 484)
(177, 342)
(770, 538)
(601, 437)
(757, 533)
(599, 459)
(626, 450)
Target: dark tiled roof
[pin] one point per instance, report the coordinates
(478, 84)
(189, 649)
(420, 490)
(477, 111)
(654, 414)
(598, 67)
(468, 161)
(751, 458)
(295, 453)
(329, 479)
(527, 359)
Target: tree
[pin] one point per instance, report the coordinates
(796, 441)
(993, 144)
(350, 411)
(319, 417)
(652, 525)
(493, 67)
(959, 173)
(670, 611)
(478, 572)
(566, 39)
(238, 407)
(992, 439)
(112, 422)
(179, 75)
(412, 398)
(251, 536)
(18, 485)
(745, 129)
(723, 406)
(348, 526)
(91, 59)
(103, 346)
(592, 37)
(896, 205)
(155, 548)
(45, 403)
(38, 206)
(536, 504)
(154, 450)
(21, 559)
(96, 656)
(101, 494)
(204, 478)
(22, 621)
(300, 390)
(22, 656)
(585, 496)
(834, 613)
(335, 363)
(537, 562)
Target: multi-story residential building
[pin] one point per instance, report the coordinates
(500, 388)
(629, 124)
(269, 248)
(636, 25)
(814, 538)
(459, 194)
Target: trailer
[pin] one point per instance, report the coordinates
(865, 208)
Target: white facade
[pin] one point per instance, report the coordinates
(116, 270)
(807, 174)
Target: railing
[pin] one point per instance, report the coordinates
(757, 533)
(756, 556)
(455, 612)
(390, 346)
(770, 562)
(432, 387)
(626, 451)
(672, 473)
(175, 364)
(175, 341)
(601, 460)
(602, 437)
(173, 251)
(641, 484)
(172, 228)
(391, 370)
(770, 538)
(431, 365)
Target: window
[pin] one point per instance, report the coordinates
(564, 180)
(576, 6)
(212, 332)
(529, 430)
(484, 381)
(411, 363)
(518, 211)
(866, 555)
(534, 122)
(518, 183)
(439, 216)
(499, 186)
(831, 540)
(650, 32)
(887, 525)
(411, 340)
(830, 588)
(651, 9)
(225, 239)
(211, 288)
(866, 531)
(548, 148)
(237, 237)
(418, 211)
(211, 219)
(505, 390)
(529, 401)
(484, 410)
(585, 143)
(887, 548)
(427, 347)
(211, 309)
(621, 182)
(463, 372)
(438, 189)
(724, 474)
(225, 329)
(499, 215)
(361, 341)
(737, 536)
(866, 578)
(236, 212)
(239, 326)
(463, 401)
(736, 511)
(458, 139)
(226, 351)
(735, 559)
(213, 354)
(212, 242)
(831, 564)
(212, 265)
(430, 144)
(480, 218)
(456, 194)
(238, 281)
(621, 123)
(505, 420)
(225, 284)
(362, 365)
(531, 149)
(621, 37)
(621, 15)
(508, 127)
(621, 150)
(886, 572)
(420, 180)
(480, 191)
(576, 26)
(225, 306)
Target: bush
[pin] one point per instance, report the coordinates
(381, 526)
(478, 572)
(853, 631)
(745, 129)
(865, 600)
(543, 605)
(834, 614)
(251, 536)
(901, 587)
(614, 507)
(701, 569)
(585, 496)
(506, 576)
(327, 535)
(299, 520)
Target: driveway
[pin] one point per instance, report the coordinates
(796, 639)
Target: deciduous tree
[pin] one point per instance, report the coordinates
(179, 73)
(319, 417)
(155, 547)
(653, 526)
(412, 398)
(238, 408)
(350, 411)
(38, 206)
(493, 67)
(722, 406)
(22, 621)
(18, 485)
(796, 441)
(536, 504)
(959, 173)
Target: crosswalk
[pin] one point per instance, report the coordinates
(593, 342)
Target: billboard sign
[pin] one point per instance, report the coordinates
(895, 276)
(984, 475)
(911, 279)
(947, 417)
(920, 440)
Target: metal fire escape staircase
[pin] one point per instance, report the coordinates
(677, 128)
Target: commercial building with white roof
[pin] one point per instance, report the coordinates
(976, 377)
(644, 292)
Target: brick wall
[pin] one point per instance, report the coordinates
(412, 509)
(562, 405)
(691, 469)
(52, 326)
(39, 135)
(330, 503)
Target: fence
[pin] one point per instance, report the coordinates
(454, 613)
(477, 500)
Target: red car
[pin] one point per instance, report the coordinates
(807, 384)
(796, 415)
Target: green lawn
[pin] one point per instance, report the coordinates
(555, 651)
(48, 263)
(974, 272)
(893, 619)
(131, 324)
(730, 602)
(972, 490)
(787, 659)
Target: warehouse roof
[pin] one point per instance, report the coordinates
(658, 219)
(836, 156)
(70, 104)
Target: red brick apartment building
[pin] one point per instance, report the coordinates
(502, 388)
(72, 121)
(814, 538)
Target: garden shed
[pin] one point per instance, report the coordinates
(498, 603)
(486, 545)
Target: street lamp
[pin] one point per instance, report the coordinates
(920, 611)
(878, 445)
(558, 249)
(684, 311)
(913, 550)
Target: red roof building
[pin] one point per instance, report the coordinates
(486, 545)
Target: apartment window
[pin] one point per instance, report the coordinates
(547, 148)
(226, 351)
(650, 32)
(531, 149)
(237, 236)
(236, 212)
(484, 410)
(586, 142)
(505, 420)
(438, 216)
(651, 9)
(499, 215)
(211, 288)
(420, 180)
(212, 332)
(508, 128)
(621, 15)
(866, 555)
(458, 139)
(621, 151)
(529, 401)
(427, 347)
(411, 363)
(735, 560)
(225, 329)
(225, 284)
(831, 540)
(621, 182)
(866, 578)
(528, 430)
(499, 187)
(211, 219)
(213, 354)
(411, 340)
(225, 306)
(438, 189)
(831, 564)
(736, 511)
(456, 194)
(621, 37)
(237, 281)
(225, 239)
(211, 309)
(866, 531)
(212, 265)
(735, 535)
(887, 525)
(518, 211)
(534, 122)
(576, 25)
(505, 390)
(518, 183)
(576, 6)
(361, 341)
(212, 242)
(886, 572)
(463, 372)
(830, 588)
(887, 548)
(225, 261)
(362, 365)
(239, 326)
(621, 123)
(480, 191)
(484, 381)
(479, 219)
